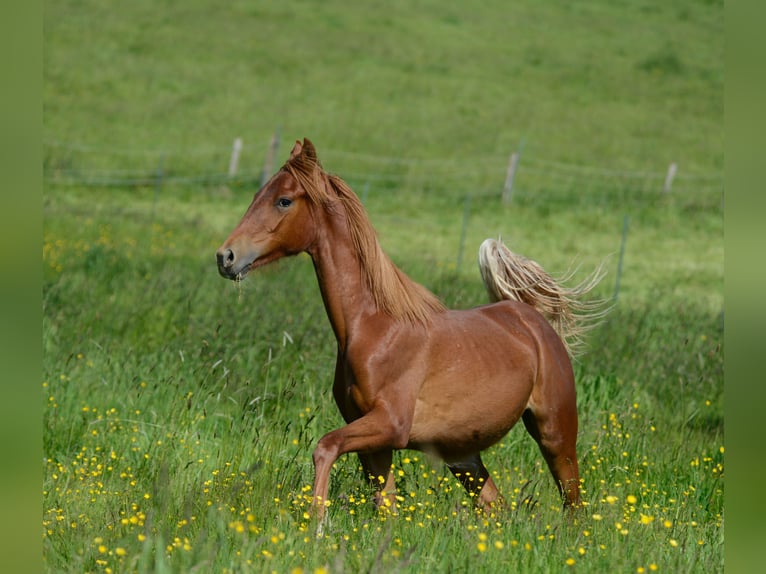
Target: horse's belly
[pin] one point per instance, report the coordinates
(455, 418)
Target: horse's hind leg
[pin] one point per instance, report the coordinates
(377, 469)
(555, 431)
(474, 477)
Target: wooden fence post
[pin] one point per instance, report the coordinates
(672, 169)
(158, 182)
(159, 174)
(270, 155)
(466, 215)
(510, 175)
(625, 222)
(236, 148)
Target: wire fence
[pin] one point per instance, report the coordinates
(72, 163)
(463, 181)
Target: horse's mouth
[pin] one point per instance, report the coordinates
(235, 275)
(240, 273)
(240, 276)
(238, 270)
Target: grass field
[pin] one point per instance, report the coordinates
(180, 412)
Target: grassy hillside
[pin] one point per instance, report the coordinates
(622, 85)
(180, 412)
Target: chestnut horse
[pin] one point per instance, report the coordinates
(410, 373)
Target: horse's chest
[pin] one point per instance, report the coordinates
(351, 393)
(367, 374)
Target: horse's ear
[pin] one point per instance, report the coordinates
(296, 149)
(309, 150)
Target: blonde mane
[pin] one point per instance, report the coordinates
(394, 293)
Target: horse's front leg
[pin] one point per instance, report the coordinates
(381, 429)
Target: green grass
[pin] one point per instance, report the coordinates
(180, 412)
(625, 86)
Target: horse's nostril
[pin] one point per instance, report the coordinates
(225, 258)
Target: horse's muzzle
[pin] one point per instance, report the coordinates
(227, 264)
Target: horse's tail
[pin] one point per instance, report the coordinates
(508, 275)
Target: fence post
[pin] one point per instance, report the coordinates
(270, 155)
(236, 148)
(625, 222)
(157, 186)
(466, 215)
(510, 175)
(672, 169)
(158, 182)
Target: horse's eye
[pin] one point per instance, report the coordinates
(284, 202)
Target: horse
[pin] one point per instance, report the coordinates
(410, 373)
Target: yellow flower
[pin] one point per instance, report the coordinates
(673, 542)
(570, 561)
(119, 551)
(631, 499)
(481, 546)
(611, 499)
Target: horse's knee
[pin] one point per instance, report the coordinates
(326, 452)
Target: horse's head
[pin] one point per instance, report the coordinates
(279, 220)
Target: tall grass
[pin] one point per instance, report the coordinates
(180, 413)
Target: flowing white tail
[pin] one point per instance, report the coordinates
(508, 275)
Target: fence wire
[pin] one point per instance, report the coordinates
(78, 164)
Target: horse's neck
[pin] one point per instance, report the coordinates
(345, 293)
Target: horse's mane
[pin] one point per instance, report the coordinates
(393, 291)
